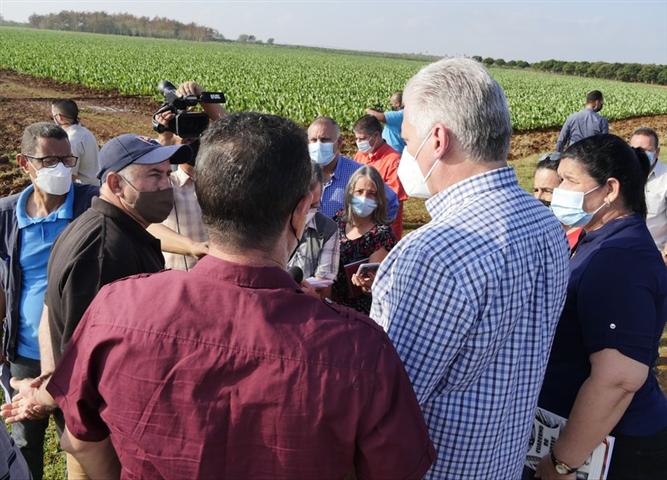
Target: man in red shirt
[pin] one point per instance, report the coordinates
(230, 370)
(376, 152)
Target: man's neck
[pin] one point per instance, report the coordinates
(41, 204)
(464, 171)
(329, 169)
(249, 257)
(116, 202)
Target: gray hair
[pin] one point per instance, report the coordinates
(461, 94)
(34, 132)
(327, 120)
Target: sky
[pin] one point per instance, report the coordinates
(612, 31)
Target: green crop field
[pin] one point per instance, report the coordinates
(299, 83)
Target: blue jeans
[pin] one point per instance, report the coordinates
(29, 435)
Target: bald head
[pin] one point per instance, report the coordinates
(324, 129)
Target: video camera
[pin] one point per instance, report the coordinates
(185, 124)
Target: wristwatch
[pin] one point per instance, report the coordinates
(562, 468)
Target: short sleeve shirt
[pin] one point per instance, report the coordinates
(392, 130)
(37, 235)
(617, 299)
(240, 375)
(102, 245)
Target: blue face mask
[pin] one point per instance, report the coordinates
(362, 206)
(321, 153)
(568, 207)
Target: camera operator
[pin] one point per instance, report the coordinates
(183, 235)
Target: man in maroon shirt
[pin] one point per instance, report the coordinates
(230, 370)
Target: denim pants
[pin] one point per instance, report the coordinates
(29, 435)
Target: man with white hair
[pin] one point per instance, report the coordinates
(471, 300)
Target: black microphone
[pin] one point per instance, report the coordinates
(296, 273)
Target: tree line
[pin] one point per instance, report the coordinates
(123, 24)
(625, 72)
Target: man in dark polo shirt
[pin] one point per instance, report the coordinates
(110, 240)
(230, 371)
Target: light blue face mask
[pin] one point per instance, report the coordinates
(321, 153)
(362, 206)
(568, 207)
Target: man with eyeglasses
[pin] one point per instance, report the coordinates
(30, 221)
(107, 243)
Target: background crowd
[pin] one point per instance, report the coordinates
(297, 333)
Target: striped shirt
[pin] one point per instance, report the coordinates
(185, 218)
(471, 302)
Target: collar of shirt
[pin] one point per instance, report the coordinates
(451, 197)
(64, 212)
(128, 225)
(659, 169)
(609, 229)
(384, 149)
(180, 178)
(244, 275)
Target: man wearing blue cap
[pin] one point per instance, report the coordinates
(108, 242)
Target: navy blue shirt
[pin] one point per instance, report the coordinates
(616, 298)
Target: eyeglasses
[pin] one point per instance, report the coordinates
(51, 161)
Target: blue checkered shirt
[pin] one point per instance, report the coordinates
(471, 301)
(333, 191)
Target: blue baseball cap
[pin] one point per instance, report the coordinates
(128, 149)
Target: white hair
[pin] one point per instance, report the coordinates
(461, 94)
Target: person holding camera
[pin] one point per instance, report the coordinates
(183, 234)
(240, 375)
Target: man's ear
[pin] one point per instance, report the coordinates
(113, 182)
(22, 162)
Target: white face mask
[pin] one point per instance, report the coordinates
(321, 153)
(364, 146)
(54, 181)
(412, 179)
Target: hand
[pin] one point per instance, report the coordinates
(546, 471)
(188, 88)
(24, 405)
(166, 138)
(309, 289)
(198, 249)
(664, 254)
(365, 283)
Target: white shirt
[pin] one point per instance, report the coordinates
(656, 204)
(84, 146)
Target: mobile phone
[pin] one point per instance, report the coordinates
(365, 269)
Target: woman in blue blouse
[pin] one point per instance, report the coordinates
(600, 374)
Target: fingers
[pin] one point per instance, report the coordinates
(188, 88)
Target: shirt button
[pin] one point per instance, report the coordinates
(612, 326)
